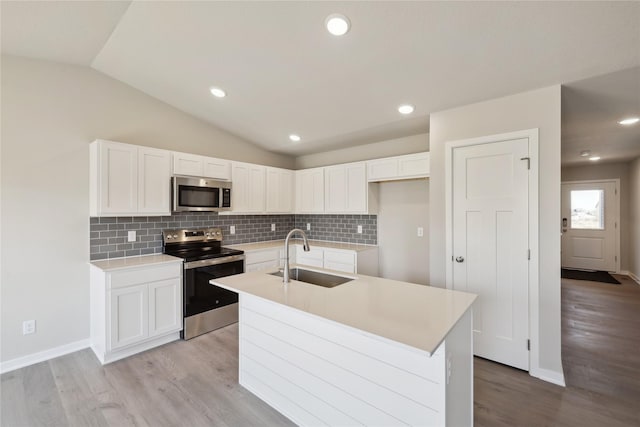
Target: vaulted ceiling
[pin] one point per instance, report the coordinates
(284, 73)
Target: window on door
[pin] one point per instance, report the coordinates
(587, 209)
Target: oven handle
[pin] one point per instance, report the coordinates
(213, 261)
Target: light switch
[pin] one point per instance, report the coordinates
(273, 227)
(232, 229)
(420, 231)
(131, 236)
(308, 226)
(360, 229)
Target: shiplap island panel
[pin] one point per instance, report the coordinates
(371, 351)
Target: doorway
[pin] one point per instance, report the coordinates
(590, 225)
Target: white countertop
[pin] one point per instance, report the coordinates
(248, 247)
(134, 261)
(415, 315)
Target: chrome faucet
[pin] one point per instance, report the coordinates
(305, 246)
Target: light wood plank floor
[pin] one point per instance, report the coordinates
(195, 383)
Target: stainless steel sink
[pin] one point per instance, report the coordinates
(314, 277)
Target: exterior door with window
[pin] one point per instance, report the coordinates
(589, 225)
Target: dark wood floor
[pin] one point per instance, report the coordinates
(601, 361)
(194, 383)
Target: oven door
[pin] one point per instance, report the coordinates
(208, 307)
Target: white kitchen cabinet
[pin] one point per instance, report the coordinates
(279, 190)
(346, 188)
(261, 259)
(310, 190)
(134, 308)
(154, 181)
(363, 261)
(314, 257)
(248, 192)
(400, 167)
(128, 180)
(201, 166)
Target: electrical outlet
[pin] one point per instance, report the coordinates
(308, 226)
(420, 231)
(273, 227)
(360, 229)
(232, 229)
(28, 327)
(131, 236)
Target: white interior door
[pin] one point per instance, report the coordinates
(589, 225)
(490, 229)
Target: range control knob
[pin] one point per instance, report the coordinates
(168, 236)
(175, 236)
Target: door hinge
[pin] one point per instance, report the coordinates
(616, 258)
(528, 344)
(528, 159)
(615, 191)
(529, 254)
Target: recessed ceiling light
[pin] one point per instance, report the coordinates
(294, 137)
(629, 121)
(594, 158)
(406, 109)
(585, 153)
(337, 24)
(217, 92)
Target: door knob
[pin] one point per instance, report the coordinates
(460, 259)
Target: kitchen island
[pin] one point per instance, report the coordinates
(371, 351)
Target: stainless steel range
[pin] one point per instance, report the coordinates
(206, 307)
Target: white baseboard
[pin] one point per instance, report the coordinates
(31, 359)
(633, 276)
(553, 377)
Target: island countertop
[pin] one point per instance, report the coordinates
(414, 315)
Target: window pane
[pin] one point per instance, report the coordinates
(587, 209)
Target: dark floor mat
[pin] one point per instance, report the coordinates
(593, 276)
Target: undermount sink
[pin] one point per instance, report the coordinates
(314, 277)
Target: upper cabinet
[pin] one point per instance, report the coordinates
(248, 191)
(400, 167)
(201, 166)
(346, 188)
(128, 180)
(279, 190)
(310, 190)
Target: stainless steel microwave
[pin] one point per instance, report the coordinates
(200, 194)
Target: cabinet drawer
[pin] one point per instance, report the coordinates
(262, 256)
(271, 264)
(119, 279)
(346, 257)
(339, 266)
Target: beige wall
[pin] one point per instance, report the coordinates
(376, 150)
(403, 207)
(50, 113)
(608, 171)
(634, 218)
(535, 109)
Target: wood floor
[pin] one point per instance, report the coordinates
(195, 383)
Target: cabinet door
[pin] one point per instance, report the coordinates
(382, 169)
(165, 306)
(216, 168)
(240, 190)
(118, 178)
(310, 191)
(279, 190)
(129, 316)
(415, 165)
(154, 181)
(187, 164)
(256, 199)
(335, 187)
(356, 188)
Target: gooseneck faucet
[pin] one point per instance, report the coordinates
(305, 245)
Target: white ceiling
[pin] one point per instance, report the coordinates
(285, 74)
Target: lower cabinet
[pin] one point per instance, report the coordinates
(134, 309)
(343, 260)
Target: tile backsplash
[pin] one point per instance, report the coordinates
(108, 235)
